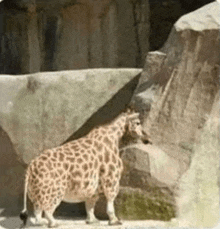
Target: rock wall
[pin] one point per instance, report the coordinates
(39, 37)
(198, 194)
(164, 13)
(179, 83)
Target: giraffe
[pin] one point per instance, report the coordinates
(79, 171)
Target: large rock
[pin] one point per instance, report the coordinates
(70, 35)
(151, 162)
(198, 196)
(43, 110)
(180, 89)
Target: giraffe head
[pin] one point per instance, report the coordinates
(133, 124)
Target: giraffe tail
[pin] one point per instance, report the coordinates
(24, 212)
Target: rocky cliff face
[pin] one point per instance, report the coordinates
(198, 195)
(179, 83)
(63, 35)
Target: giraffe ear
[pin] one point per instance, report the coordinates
(130, 110)
(133, 116)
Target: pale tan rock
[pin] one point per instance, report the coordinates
(198, 196)
(43, 110)
(180, 92)
(161, 169)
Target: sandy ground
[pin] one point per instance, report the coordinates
(14, 222)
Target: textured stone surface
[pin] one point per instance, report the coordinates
(159, 169)
(198, 197)
(183, 85)
(134, 203)
(42, 110)
(11, 176)
(149, 83)
(66, 36)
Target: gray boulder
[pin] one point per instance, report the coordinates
(180, 82)
(198, 189)
(160, 169)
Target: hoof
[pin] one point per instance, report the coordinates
(53, 225)
(93, 222)
(114, 223)
(41, 222)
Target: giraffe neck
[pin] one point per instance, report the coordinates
(119, 126)
(114, 130)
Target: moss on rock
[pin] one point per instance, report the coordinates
(134, 204)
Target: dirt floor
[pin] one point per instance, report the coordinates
(14, 223)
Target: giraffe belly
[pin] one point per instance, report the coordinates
(72, 199)
(82, 193)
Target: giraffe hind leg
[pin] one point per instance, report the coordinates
(90, 205)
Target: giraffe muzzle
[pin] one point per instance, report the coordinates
(145, 137)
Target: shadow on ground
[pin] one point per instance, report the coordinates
(10, 223)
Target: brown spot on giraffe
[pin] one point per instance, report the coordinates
(107, 141)
(114, 159)
(85, 146)
(107, 158)
(79, 160)
(88, 141)
(61, 157)
(98, 146)
(85, 157)
(100, 158)
(70, 159)
(65, 166)
(85, 167)
(71, 168)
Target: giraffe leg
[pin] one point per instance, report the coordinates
(90, 205)
(113, 220)
(111, 191)
(52, 222)
(38, 217)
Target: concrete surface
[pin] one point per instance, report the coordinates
(15, 222)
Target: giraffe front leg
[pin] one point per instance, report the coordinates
(49, 213)
(90, 206)
(52, 222)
